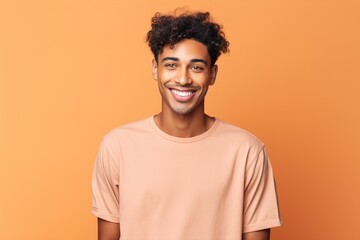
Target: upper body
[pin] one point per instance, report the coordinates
(215, 185)
(182, 174)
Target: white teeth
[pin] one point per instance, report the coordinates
(182, 94)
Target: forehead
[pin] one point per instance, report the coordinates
(186, 49)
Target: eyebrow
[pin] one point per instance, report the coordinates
(177, 59)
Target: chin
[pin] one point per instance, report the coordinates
(182, 112)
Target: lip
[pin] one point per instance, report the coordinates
(183, 95)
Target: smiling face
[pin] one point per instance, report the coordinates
(184, 74)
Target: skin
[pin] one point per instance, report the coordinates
(257, 235)
(185, 67)
(108, 230)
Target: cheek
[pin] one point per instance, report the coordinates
(165, 76)
(201, 78)
(204, 81)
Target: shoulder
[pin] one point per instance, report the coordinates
(127, 131)
(238, 135)
(247, 145)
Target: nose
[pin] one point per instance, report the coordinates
(183, 77)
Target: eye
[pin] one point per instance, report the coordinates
(197, 68)
(170, 65)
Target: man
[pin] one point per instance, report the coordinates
(181, 174)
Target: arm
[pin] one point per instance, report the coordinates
(261, 209)
(105, 191)
(108, 230)
(257, 235)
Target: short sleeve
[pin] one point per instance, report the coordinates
(105, 182)
(261, 208)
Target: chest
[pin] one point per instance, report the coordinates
(162, 174)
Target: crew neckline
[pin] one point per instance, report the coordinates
(196, 138)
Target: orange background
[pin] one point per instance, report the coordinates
(72, 70)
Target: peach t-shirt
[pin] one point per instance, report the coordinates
(214, 186)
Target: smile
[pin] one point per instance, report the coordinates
(182, 96)
(180, 93)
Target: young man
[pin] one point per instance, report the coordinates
(181, 174)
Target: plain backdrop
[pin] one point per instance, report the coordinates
(71, 70)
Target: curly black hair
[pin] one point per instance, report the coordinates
(170, 29)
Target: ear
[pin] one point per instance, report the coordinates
(154, 69)
(214, 71)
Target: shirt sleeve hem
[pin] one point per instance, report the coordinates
(104, 216)
(263, 225)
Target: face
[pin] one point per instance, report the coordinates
(184, 75)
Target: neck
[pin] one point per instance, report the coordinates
(185, 126)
